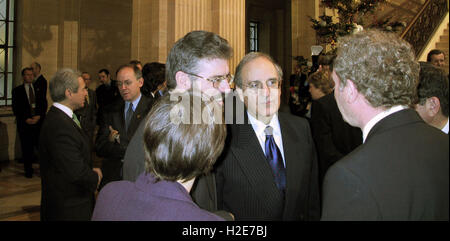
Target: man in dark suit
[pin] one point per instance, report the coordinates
(29, 108)
(400, 172)
(88, 114)
(433, 96)
(68, 179)
(269, 171)
(121, 119)
(197, 60)
(106, 93)
(334, 138)
(41, 84)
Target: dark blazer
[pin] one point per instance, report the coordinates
(334, 138)
(41, 85)
(106, 95)
(88, 114)
(21, 106)
(134, 158)
(68, 181)
(245, 183)
(399, 173)
(113, 152)
(147, 200)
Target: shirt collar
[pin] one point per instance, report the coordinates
(445, 129)
(64, 109)
(379, 117)
(259, 126)
(135, 103)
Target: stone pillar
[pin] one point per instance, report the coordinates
(303, 35)
(157, 24)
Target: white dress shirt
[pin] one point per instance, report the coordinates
(445, 129)
(259, 128)
(65, 109)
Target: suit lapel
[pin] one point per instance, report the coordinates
(118, 120)
(138, 115)
(253, 163)
(65, 117)
(292, 146)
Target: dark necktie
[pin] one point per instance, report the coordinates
(32, 98)
(128, 116)
(275, 159)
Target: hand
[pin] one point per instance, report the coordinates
(36, 118)
(100, 175)
(30, 121)
(113, 135)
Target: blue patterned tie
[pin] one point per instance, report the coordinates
(275, 159)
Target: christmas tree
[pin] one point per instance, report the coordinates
(351, 19)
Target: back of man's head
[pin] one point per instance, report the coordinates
(433, 83)
(381, 65)
(154, 75)
(189, 50)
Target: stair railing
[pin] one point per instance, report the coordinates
(421, 29)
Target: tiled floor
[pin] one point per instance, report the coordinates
(20, 197)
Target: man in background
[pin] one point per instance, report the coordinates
(436, 57)
(106, 93)
(29, 110)
(433, 96)
(88, 114)
(120, 121)
(41, 84)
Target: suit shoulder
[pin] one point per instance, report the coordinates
(18, 88)
(297, 120)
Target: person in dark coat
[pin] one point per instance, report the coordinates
(269, 168)
(29, 107)
(401, 171)
(68, 180)
(120, 121)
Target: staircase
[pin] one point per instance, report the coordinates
(443, 45)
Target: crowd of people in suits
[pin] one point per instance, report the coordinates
(365, 153)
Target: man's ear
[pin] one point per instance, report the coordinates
(183, 81)
(68, 93)
(350, 91)
(433, 106)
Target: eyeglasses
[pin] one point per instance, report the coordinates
(126, 83)
(271, 83)
(216, 80)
